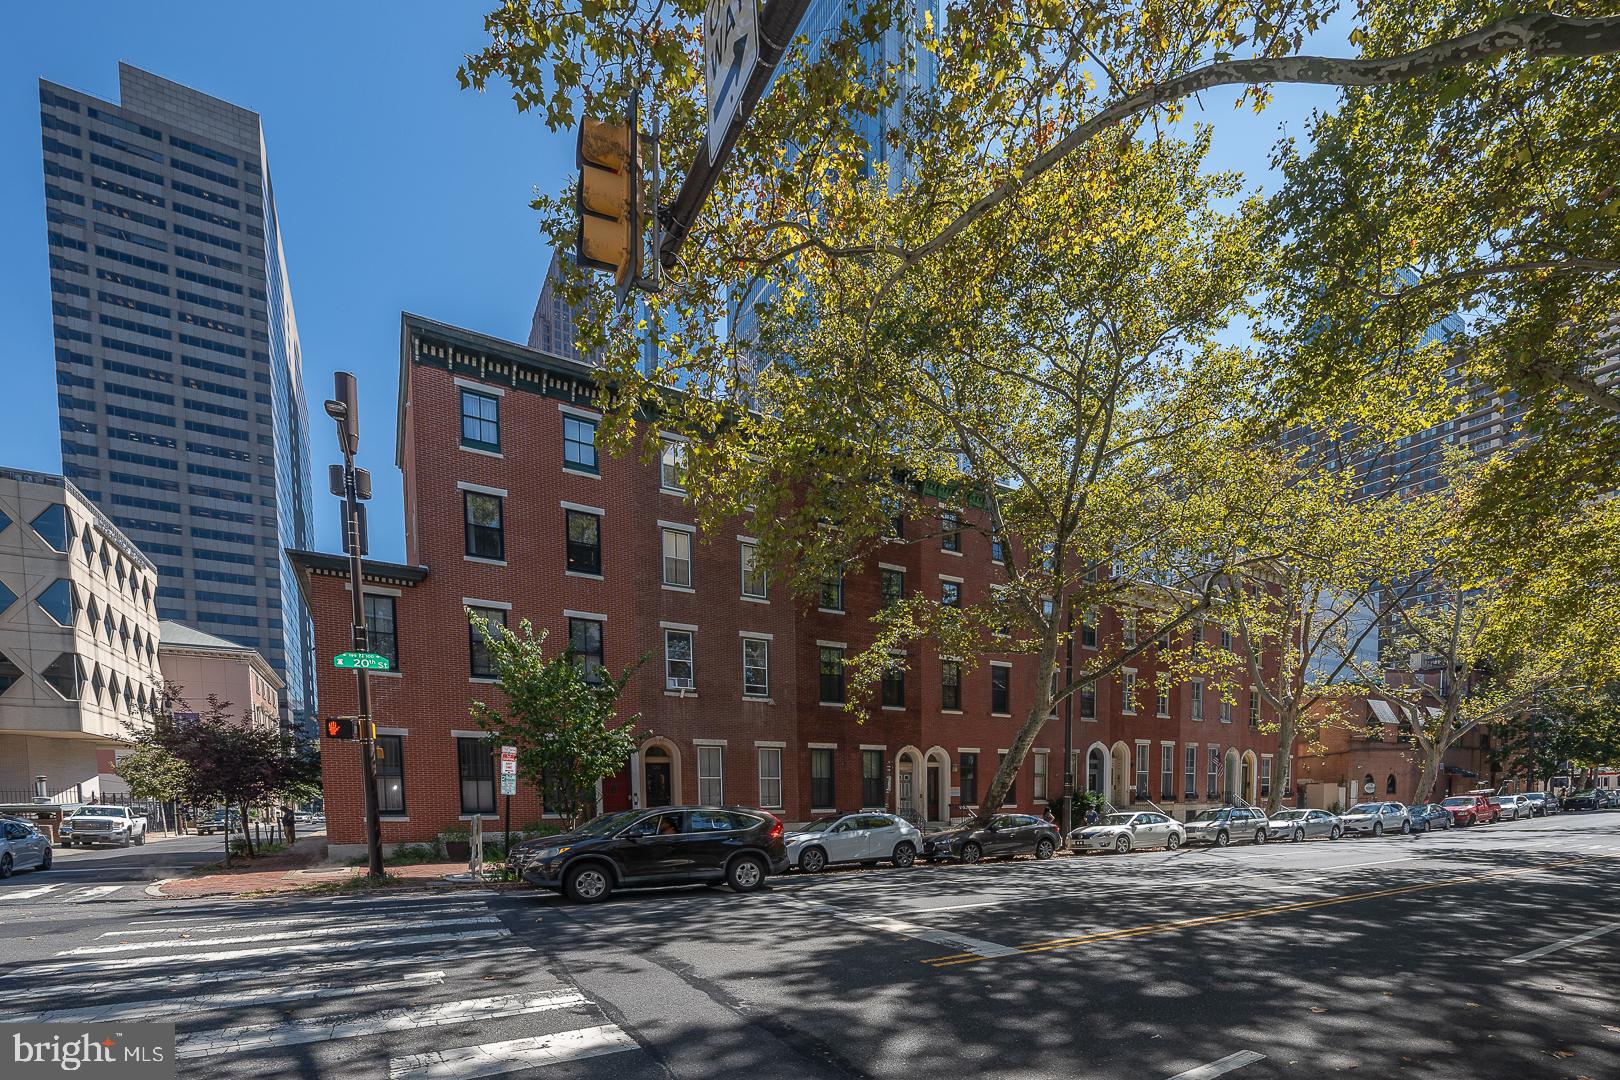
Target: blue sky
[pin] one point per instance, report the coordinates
(397, 190)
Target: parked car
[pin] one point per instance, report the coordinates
(1472, 810)
(1514, 807)
(672, 845)
(1426, 817)
(22, 847)
(1227, 825)
(219, 822)
(1608, 799)
(1542, 803)
(1003, 836)
(1301, 824)
(1376, 818)
(858, 838)
(91, 825)
(1582, 800)
(1124, 832)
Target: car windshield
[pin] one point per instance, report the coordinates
(821, 824)
(1458, 802)
(1289, 815)
(1365, 808)
(99, 811)
(1209, 815)
(608, 823)
(1119, 819)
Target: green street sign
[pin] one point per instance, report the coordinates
(368, 660)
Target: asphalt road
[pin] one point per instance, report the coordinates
(1473, 954)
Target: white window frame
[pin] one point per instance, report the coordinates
(717, 755)
(764, 690)
(1038, 777)
(672, 462)
(671, 686)
(1127, 691)
(666, 534)
(1128, 629)
(763, 755)
(1195, 700)
(1265, 775)
(1161, 699)
(1189, 776)
(1225, 710)
(1008, 668)
(748, 560)
(1167, 768)
(1143, 766)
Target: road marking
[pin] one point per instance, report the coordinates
(1220, 1068)
(324, 1029)
(357, 922)
(422, 898)
(970, 946)
(248, 939)
(491, 1059)
(263, 950)
(1533, 954)
(969, 956)
(95, 891)
(24, 894)
(258, 995)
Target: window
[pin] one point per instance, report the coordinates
(1254, 707)
(481, 664)
(391, 774)
(872, 794)
(1039, 792)
(1163, 703)
(969, 766)
(1141, 772)
(832, 675)
(950, 532)
(1088, 630)
(1389, 785)
(60, 601)
(1127, 682)
(1198, 699)
(1128, 629)
(1265, 775)
(892, 585)
(950, 684)
(584, 542)
(485, 537)
(1088, 701)
(1167, 771)
(579, 443)
(672, 465)
(1225, 711)
(1011, 798)
(480, 422)
(381, 634)
(770, 776)
(950, 594)
(65, 675)
(475, 762)
(1001, 690)
(756, 667)
(711, 775)
(9, 673)
(832, 590)
(1226, 639)
(1214, 771)
(821, 778)
(998, 551)
(755, 578)
(585, 639)
(1189, 768)
(677, 558)
(53, 527)
(894, 686)
(678, 673)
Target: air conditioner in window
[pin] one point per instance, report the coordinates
(679, 684)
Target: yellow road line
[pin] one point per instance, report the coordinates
(1054, 944)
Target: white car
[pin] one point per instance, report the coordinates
(95, 824)
(853, 838)
(1123, 832)
(1514, 807)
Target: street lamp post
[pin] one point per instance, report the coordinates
(344, 408)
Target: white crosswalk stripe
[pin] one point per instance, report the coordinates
(357, 922)
(25, 894)
(91, 893)
(492, 1059)
(249, 939)
(233, 999)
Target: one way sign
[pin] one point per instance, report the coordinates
(730, 50)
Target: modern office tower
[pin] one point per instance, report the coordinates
(177, 357)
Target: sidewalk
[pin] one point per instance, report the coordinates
(302, 868)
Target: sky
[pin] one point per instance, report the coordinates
(396, 190)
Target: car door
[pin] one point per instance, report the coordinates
(647, 848)
(24, 853)
(882, 834)
(844, 841)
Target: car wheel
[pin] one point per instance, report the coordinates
(1428, 826)
(1044, 849)
(587, 884)
(1336, 833)
(812, 860)
(904, 854)
(1172, 842)
(1406, 826)
(125, 842)
(1123, 844)
(5, 865)
(746, 873)
(1299, 834)
(1222, 839)
(45, 863)
(1378, 828)
(140, 841)
(971, 852)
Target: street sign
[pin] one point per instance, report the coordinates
(730, 50)
(508, 770)
(368, 660)
(508, 783)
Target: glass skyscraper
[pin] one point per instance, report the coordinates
(179, 377)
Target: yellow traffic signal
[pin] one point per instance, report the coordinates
(609, 196)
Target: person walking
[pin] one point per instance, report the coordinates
(288, 819)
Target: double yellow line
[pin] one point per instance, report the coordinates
(1055, 944)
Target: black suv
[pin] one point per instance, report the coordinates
(672, 845)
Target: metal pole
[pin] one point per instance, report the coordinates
(506, 848)
(368, 744)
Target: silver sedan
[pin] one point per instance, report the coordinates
(22, 847)
(1301, 824)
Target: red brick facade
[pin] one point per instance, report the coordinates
(919, 747)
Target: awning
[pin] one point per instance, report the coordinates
(1382, 711)
(1458, 770)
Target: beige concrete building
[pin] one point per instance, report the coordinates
(202, 665)
(78, 641)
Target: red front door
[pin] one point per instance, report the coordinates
(616, 791)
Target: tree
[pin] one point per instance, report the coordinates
(1573, 730)
(561, 717)
(153, 773)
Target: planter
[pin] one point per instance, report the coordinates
(458, 850)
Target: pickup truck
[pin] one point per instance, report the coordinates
(95, 824)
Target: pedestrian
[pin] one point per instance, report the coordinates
(1091, 815)
(288, 818)
(1050, 819)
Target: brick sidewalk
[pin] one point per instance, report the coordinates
(301, 869)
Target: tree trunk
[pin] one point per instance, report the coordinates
(247, 835)
(1287, 731)
(1430, 773)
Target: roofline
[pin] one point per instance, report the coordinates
(253, 657)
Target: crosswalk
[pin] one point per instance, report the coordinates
(66, 893)
(431, 989)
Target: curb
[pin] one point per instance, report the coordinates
(156, 888)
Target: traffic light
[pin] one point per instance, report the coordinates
(340, 727)
(609, 200)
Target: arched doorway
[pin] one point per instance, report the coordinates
(1120, 779)
(908, 784)
(1097, 768)
(937, 785)
(660, 774)
(1229, 787)
(1251, 778)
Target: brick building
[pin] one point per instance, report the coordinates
(510, 509)
(1362, 746)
